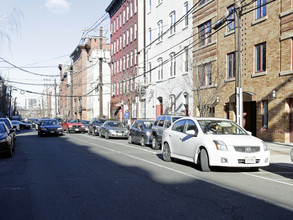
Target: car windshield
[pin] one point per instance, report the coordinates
(15, 122)
(115, 124)
(49, 122)
(85, 122)
(148, 124)
(221, 127)
(73, 121)
(175, 118)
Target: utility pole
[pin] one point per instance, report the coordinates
(55, 89)
(101, 73)
(71, 90)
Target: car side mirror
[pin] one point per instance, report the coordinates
(192, 133)
(250, 133)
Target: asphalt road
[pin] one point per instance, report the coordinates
(77, 176)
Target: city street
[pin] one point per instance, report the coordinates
(78, 176)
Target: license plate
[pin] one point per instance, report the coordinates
(250, 160)
(52, 132)
(76, 129)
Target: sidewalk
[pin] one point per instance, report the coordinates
(280, 153)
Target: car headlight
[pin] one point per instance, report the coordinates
(83, 126)
(148, 133)
(44, 129)
(126, 132)
(3, 140)
(265, 147)
(111, 131)
(59, 129)
(220, 145)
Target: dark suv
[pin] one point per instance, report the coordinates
(162, 122)
(10, 127)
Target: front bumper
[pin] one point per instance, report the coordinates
(118, 134)
(51, 132)
(76, 129)
(236, 159)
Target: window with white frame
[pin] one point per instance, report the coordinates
(114, 46)
(205, 74)
(127, 12)
(260, 57)
(124, 18)
(117, 23)
(172, 64)
(135, 6)
(131, 8)
(160, 30)
(231, 65)
(127, 37)
(150, 35)
(261, 8)
(120, 19)
(135, 56)
(135, 31)
(111, 28)
(131, 34)
(172, 22)
(131, 58)
(114, 25)
(150, 72)
(186, 57)
(124, 62)
(117, 43)
(160, 69)
(127, 61)
(186, 12)
(124, 40)
(204, 32)
(120, 42)
(231, 18)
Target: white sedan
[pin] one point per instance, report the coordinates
(213, 142)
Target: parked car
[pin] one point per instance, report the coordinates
(291, 154)
(10, 128)
(161, 123)
(73, 124)
(213, 142)
(7, 143)
(49, 127)
(25, 125)
(16, 125)
(34, 122)
(141, 132)
(86, 125)
(95, 125)
(113, 129)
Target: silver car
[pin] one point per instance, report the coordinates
(113, 129)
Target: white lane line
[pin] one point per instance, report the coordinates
(173, 170)
(268, 179)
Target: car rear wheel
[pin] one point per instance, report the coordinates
(155, 144)
(167, 153)
(204, 161)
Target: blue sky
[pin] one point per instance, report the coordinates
(50, 31)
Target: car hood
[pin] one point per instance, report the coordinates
(117, 129)
(79, 124)
(3, 135)
(237, 140)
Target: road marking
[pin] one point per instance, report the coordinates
(171, 169)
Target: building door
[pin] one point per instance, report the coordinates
(291, 120)
(249, 116)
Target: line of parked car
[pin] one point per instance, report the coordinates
(208, 142)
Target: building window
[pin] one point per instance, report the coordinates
(127, 37)
(231, 18)
(261, 8)
(260, 57)
(186, 59)
(172, 64)
(204, 32)
(124, 62)
(131, 9)
(150, 5)
(150, 35)
(131, 58)
(127, 12)
(124, 40)
(160, 69)
(265, 116)
(172, 22)
(120, 42)
(124, 16)
(127, 60)
(205, 74)
(131, 34)
(150, 72)
(160, 30)
(135, 6)
(135, 56)
(186, 13)
(231, 65)
(135, 31)
(120, 19)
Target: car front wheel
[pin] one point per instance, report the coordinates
(204, 161)
(142, 143)
(167, 153)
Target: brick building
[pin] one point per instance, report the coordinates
(266, 41)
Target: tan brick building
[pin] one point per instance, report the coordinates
(266, 63)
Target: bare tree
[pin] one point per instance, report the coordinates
(10, 23)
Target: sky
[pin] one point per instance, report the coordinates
(48, 32)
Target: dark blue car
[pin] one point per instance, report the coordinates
(6, 140)
(49, 127)
(140, 132)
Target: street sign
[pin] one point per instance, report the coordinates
(126, 114)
